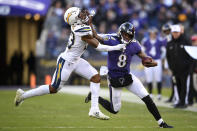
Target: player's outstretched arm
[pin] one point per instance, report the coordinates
(147, 61)
(100, 47)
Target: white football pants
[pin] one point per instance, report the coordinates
(65, 68)
(154, 73)
(136, 88)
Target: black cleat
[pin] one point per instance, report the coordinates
(181, 106)
(88, 98)
(168, 101)
(165, 125)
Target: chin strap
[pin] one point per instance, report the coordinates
(125, 42)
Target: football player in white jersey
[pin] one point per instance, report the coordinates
(69, 61)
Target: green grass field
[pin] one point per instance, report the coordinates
(69, 112)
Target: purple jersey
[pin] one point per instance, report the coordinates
(153, 49)
(119, 62)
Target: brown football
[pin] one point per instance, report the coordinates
(146, 60)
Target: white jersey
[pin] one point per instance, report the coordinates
(76, 47)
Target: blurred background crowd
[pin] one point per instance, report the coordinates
(33, 41)
(111, 13)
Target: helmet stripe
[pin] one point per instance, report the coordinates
(69, 14)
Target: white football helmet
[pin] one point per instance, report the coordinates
(71, 16)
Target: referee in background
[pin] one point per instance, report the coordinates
(181, 65)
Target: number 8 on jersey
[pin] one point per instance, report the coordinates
(122, 60)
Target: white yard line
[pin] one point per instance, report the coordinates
(126, 96)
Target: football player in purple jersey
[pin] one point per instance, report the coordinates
(119, 75)
(155, 48)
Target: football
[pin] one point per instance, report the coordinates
(146, 60)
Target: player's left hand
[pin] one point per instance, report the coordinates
(148, 62)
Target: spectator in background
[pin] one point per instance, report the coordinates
(102, 27)
(181, 65)
(20, 68)
(194, 40)
(123, 11)
(138, 23)
(142, 14)
(114, 28)
(31, 62)
(110, 18)
(182, 28)
(92, 6)
(14, 68)
(111, 4)
(161, 16)
(51, 44)
(62, 40)
(193, 21)
(194, 43)
(58, 8)
(166, 36)
(154, 48)
(100, 12)
(166, 32)
(17, 67)
(53, 22)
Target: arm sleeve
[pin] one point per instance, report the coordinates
(102, 47)
(138, 47)
(106, 38)
(164, 42)
(163, 52)
(163, 48)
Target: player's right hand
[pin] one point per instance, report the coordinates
(121, 47)
(148, 62)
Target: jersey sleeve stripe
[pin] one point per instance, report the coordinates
(85, 29)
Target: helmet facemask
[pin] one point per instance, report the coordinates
(126, 37)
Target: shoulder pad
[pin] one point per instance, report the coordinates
(82, 30)
(113, 36)
(136, 41)
(108, 36)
